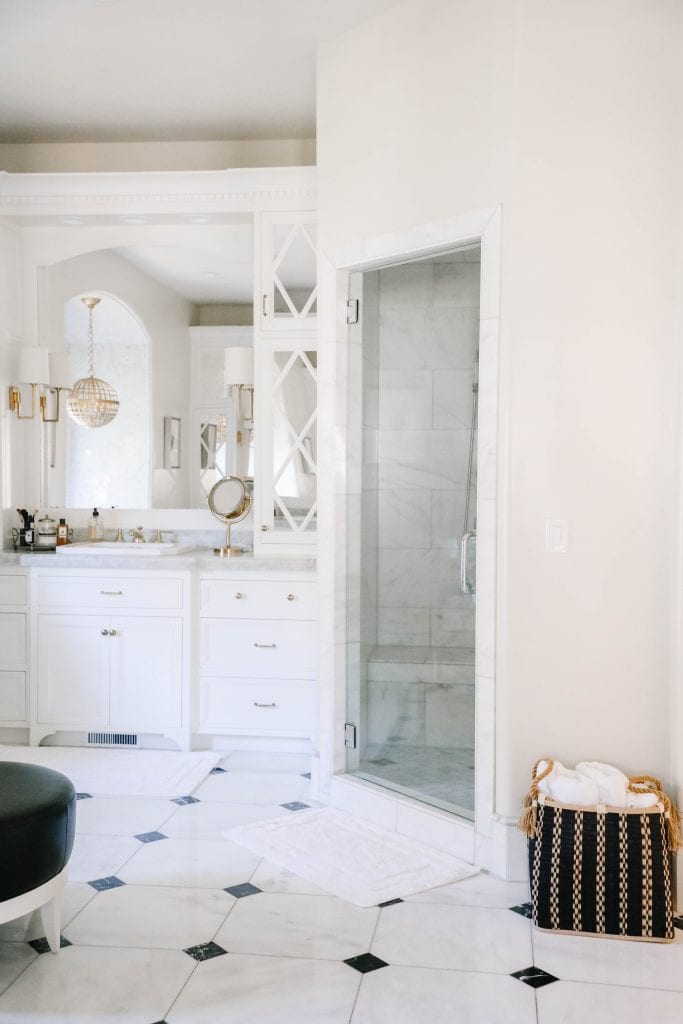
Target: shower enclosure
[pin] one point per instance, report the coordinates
(411, 688)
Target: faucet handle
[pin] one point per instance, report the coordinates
(119, 536)
(158, 537)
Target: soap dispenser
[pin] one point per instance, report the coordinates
(95, 528)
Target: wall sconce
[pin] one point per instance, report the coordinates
(238, 373)
(34, 369)
(61, 376)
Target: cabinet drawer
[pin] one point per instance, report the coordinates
(251, 599)
(12, 590)
(12, 697)
(103, 593)
(13, 638)
(260, 649)
(258, 707)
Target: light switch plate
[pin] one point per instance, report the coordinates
(556, 536)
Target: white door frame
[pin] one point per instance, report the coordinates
(489, 842)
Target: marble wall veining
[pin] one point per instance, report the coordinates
(418, 386)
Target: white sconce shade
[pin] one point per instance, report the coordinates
(34, 365)
(239, 368)
(61, 374)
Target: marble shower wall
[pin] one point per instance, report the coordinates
(417, 407)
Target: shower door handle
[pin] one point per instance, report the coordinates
(465, 585)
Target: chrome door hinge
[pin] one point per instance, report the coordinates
(350, 735)
(352, 311)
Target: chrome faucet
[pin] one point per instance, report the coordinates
(137, 536)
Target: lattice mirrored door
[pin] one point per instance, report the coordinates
(289, 298)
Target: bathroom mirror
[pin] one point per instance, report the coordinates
(230, 501)
(157, 299)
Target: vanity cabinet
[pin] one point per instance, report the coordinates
(112, 654)
(13, 650)
(258, 653)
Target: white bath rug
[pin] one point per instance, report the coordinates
(350, 857)
(105, 772)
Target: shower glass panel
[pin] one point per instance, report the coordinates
(411, 685)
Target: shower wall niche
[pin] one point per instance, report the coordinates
(414, 695)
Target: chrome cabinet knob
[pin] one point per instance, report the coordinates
(105, 632)
(238, 596)
(290, 597)
(264, 528)
(113, 632)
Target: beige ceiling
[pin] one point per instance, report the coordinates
(150, 70)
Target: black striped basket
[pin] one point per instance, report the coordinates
(603, 872)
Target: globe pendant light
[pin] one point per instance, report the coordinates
(92, 402)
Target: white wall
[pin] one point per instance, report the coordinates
(564, 114)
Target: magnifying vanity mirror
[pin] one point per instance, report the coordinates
(230, 502)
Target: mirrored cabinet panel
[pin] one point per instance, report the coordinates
(289, 272)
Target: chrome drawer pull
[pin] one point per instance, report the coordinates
(256, 644)
(290, 597)
(112, 593)
(257, 705)
(238, 596)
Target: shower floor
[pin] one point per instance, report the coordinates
(441, 776)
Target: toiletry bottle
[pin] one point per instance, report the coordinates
(62, 533)
(95, 528)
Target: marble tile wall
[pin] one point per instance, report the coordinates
(420, 340)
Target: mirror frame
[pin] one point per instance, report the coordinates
(84, 212)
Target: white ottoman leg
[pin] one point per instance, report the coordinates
(51, 914)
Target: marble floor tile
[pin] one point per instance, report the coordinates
(121, 815)
(252, 787)
(100, 856)
(106, 986)
(283, 924)
(454, 938)
(272, 878)
(30, 926)
(239, 989)
(481, 890)
(210, 819)
(150, 917)
(14, 959)
(200, 863)
(611, 961)
(408, 995)
(571, 1002)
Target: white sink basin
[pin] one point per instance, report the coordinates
(112, 547)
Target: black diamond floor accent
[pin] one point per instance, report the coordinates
(151, 837)
(365, 963)
(678, 922)
(306, 775)
(181, 800)
(41, 945)
(523, 909)
(102, 884)
(390, 903)
(535, 977)
(218, 771)
(295, 805)
(205, 951)
(244, 889)
(84, 796)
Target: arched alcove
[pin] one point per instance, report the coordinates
(110, 465)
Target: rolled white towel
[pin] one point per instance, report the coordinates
(612, 784)
(567, 786)
(642, 800)
(574, 790)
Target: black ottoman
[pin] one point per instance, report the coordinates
(37, 824)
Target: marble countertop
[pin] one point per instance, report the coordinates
(202, 559)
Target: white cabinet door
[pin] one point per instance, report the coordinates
(146, 672)
(13, 705)
(73, 669)
(288, 297)
(13, 638)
